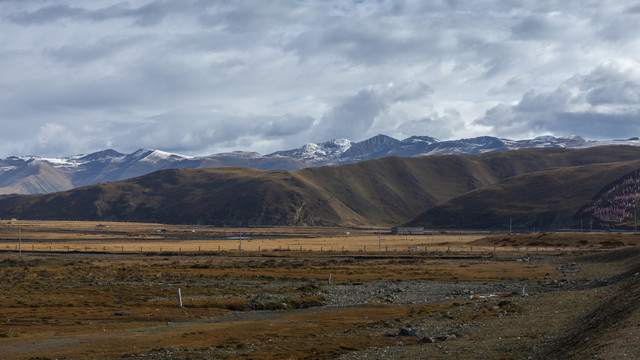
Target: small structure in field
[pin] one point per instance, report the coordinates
(407, 230)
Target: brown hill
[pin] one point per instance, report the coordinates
(543, 200)
(376, 192)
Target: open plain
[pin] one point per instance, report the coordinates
(79, 290)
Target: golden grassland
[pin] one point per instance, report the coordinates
(142, 237)
(124, 237)
(98, 301)
(64, 307)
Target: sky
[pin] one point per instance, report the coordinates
(198, 77)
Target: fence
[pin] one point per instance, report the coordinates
(187, 247)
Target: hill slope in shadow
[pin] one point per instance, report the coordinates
(542, 200)
(382, 192)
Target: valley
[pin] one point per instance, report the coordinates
(531, 253)
(437, 295)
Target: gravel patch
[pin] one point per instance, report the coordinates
(410, 292)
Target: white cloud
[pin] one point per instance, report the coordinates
(604, 103)
(148, 73)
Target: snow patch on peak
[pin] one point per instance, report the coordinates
(57, 162)
(421, 139)
(158, 155)
(328, 149)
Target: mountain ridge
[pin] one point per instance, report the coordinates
(110, 165)
(379, 192)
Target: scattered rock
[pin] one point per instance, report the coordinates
(446, 337)
(425, 339)
(405, 331)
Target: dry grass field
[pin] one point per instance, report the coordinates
(430, 298)
(118, 237)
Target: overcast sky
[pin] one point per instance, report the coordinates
(201, 77)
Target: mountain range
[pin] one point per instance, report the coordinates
(534, 188)
(39, 175)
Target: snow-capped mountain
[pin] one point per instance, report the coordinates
(322, 152)
(34, 175)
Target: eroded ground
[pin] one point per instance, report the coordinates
(282, 304)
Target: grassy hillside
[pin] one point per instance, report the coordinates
(384, 191)
(540, 200)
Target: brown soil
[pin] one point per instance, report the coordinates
(582, 302)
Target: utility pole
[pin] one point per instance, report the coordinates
(20, 242)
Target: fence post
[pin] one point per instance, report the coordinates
(179, 299)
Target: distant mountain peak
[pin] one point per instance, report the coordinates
(111, 165)
(151, 155)
(104, 155)
(327, 150)
(426, 139)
